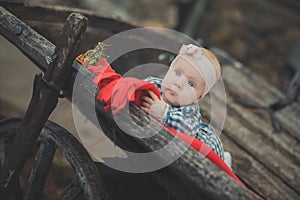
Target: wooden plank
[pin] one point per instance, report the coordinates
(253, 132)
(33, 45)
(275, 160)
(244, 84)
(289, 118)
(240, 83)
(254, 174)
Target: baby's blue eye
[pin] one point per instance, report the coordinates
(191, 84)
(177, 73)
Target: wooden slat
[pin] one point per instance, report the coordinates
(254, 174)
(254, 89)
(36, 47)
(244, 85)
(289, 118)
(249, 86)
(278, 153)
(260, 124)
(263, 150)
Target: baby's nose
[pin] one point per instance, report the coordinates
(179, 83)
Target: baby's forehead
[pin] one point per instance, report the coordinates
(185, 66)
(180, 63)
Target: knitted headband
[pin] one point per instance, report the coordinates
(196, 57)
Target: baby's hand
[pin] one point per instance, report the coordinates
(153, 105)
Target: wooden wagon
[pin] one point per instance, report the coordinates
(267, 162)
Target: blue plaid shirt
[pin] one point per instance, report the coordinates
(187, 119)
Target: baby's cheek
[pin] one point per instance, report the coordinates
(190, 96)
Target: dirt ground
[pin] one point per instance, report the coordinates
(260, 34)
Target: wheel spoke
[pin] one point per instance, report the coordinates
(40, 170)
(3, 150)
(72, 191)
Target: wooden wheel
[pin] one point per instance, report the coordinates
(87, 182)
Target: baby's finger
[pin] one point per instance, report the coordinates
(148, 99)
(145, 109)
(152, 95)
(145, 104)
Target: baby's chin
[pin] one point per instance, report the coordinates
(171, 100)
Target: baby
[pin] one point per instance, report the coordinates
(190, 77)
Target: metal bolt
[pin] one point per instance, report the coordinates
(48, 59)
(18, 30)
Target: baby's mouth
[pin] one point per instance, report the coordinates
(172, 92)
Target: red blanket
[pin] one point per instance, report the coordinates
(116, 91)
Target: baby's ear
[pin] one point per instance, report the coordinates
(199, 97)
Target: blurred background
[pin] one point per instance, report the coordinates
(260, 34)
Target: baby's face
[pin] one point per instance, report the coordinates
(183, 84)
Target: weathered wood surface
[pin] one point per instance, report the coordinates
(19, 33)
(266, 160)
(278, 151)
(199, 176)
(44, 100)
